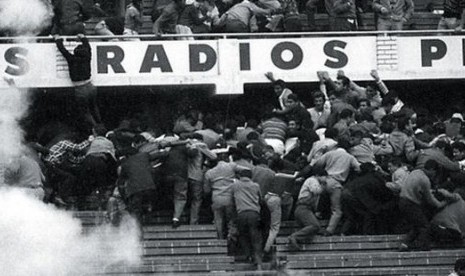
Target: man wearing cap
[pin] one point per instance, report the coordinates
(218, 181)
(247, 198)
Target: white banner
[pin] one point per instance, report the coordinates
(229, 63)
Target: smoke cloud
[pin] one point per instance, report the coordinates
(25, 17)
(38, 239)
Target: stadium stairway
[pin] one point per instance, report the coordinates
(195, 250)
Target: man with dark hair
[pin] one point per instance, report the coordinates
(338, 164)
(295, 110)
(218, 180)
(166, 22)
(247, 199)
(367, 200)
(414, 195)
(210, 136)
(80, 73)
(70, 16)
(98, 169)
(136, 177)
(346, 118)
(280, 89)
(307, 203)
(319, 113)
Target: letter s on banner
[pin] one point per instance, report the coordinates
(331, 51)
(14, 57)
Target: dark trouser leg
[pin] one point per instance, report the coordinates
(416, 219)
(180, 195)
(443, 234)
(287, 201)
(250, 236)
(305, 217)
(196, 191)
(351, 208)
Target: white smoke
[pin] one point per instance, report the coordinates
(25, 17)
(38, 239)
(14, 104)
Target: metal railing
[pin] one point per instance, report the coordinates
(152, 37)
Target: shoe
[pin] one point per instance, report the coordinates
(404, 247)
(325, 233)
(176, 223)
(293, 243)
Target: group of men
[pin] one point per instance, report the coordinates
(203, 16)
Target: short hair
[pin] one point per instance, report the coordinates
(293, 97)
(458, 145)
(139, 139)
(344, 80)
(252, 123)
(100, 129)
(253, 135)
(280, 83)
(318, 94)
(245, 172)
(357, 133)
(431, 165)
(441, 144)
(346, 113)
(197, 136)
(395, 160)
(319, 171)
(402, 122)
(332, 133)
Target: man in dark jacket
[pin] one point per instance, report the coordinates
(368, 198)
(70, 16)
(80, 73)
(136, 177)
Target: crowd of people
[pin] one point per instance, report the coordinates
(358, 157)
(242, 16)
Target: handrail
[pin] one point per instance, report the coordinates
(246, 35)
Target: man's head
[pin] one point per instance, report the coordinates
(458, 151)
(138, 141)
(431, 168)
(99, 130)
(331, 133)
(318, 100)
(293, 125)
(346, 115)
(389, 101)
(292, 101)
(192, 117)
(278, 87)
(363, 105)
(342, 83)
(371, 91)
(356, 137)
(332, 97)
(394, 163)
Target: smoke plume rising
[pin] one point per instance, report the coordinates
(25, 17)
(38, 239)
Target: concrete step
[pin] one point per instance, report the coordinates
(380, 271)
(187, 251)
(179, 235)
(373, 259)
(184, 243)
